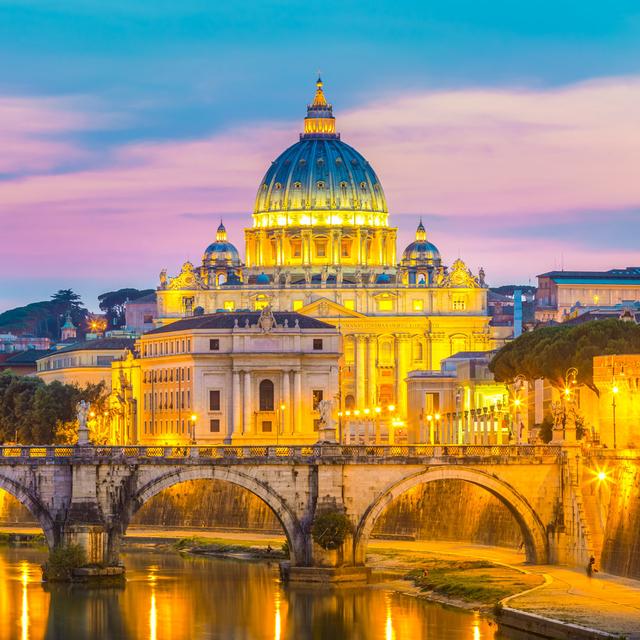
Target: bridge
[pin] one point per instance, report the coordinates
(87, 494)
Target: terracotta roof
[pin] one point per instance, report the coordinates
(100, 344)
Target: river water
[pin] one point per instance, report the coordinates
(172, 597)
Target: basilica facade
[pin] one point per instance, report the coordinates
(321, 245)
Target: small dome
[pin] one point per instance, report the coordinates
(263, 278)
(383, 278)
(221, 252)
(421, 252)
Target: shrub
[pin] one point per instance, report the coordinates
(63, 560)
(330, 529)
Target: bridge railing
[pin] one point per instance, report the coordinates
(16, 453)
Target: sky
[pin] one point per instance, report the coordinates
(128, 129)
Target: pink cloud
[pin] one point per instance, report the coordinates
(468, 152)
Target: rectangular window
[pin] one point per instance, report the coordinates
(385, 305)
(459, 304)
(267, 426)
(349, 304)
(318, 395)
(229, 305)
(321, 249)
(317, 344)
(346, 246)
(298, 304)
(214, 400)
(188, 399)
(296, 248)
(147, 318)
(418, 305)
(188, 374)
(214, 426)
(214, 344)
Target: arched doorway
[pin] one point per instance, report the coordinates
(533, 531)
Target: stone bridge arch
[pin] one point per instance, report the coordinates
(35, 507)
(533, 530)
(299, 549)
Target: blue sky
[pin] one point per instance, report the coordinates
(125, 74)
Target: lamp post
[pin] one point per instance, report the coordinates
(614, 393)
(570, 378)
(193, 428)
(518, 383)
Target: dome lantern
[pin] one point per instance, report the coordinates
(319, 121)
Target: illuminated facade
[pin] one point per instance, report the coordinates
(321, 245)
(254, 377)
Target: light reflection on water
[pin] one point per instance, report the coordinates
(170, 597)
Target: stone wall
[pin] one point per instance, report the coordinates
(621, 540)
(450, 510)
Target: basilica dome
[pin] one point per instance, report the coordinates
(421, 252)
(221, 252)
(320, 180)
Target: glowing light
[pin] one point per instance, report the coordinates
(389, 633)
(429, 418)
(392, 407)
(615, 389)
(602, 476)
(282, 221)
(517, 402)
(437, 416)
(282, 407)
(278, 622)
(347, 413)
(24, 617)
(356, 412)
(193, 417)
(367, 411)
(378, 409)
(153, 609)
(567, 392)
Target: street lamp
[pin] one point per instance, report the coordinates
(614, 393)
(193, 428)
(570, 378)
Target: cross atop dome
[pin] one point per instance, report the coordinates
(319, 121)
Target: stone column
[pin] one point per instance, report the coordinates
(235, 424)
(372, 378)
(402, 368)
(286, 401)
(298, 404)
(361, 371)
(248, 404)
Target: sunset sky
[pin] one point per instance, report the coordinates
(128, 129)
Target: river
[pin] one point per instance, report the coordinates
(173, 597)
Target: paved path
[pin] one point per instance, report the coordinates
(604, 602)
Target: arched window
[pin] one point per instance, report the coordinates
(266, 395)
(222, 278)
(349, 403)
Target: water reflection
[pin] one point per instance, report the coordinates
(168, 597)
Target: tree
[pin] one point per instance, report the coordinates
(549, 352)
(67, 301)
(113, 303)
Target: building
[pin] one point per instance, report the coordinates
(560, 292)
(321, 245)
(22, 363)
(140, 313)
(230, 377)
(10, 342)
(463, 404)
(83, 362)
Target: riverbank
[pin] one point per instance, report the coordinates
(470, 576)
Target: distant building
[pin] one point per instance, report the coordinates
(68, 331)
(559, 292)
(83, 362)
(10, 342)
(141, 313)
(244, 377)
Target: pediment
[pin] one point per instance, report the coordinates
(325, 308)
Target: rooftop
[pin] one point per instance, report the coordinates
(101, 344)
(628, 273)
(227, 320)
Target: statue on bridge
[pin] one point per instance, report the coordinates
(327, 430)
(83, 431)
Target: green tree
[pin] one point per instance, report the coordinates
(549, 351)
(67, 301)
